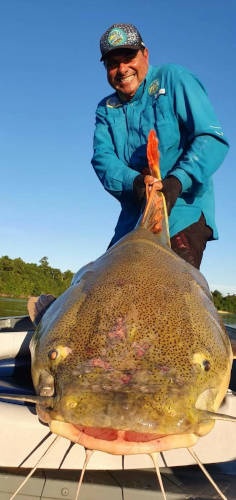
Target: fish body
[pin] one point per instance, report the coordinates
(133, 354)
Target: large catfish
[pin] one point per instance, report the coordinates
(133, 357)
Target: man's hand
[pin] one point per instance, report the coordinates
(139, 186)
(171, 187)
(139, 189)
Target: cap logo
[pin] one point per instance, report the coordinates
(153, 87)
(117, 37)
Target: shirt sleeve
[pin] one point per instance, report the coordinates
(116, 177)
(206, 143)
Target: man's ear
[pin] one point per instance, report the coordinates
(146, 54)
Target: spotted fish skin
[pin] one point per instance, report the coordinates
(139, 344)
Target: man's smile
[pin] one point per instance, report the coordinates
(126, 78)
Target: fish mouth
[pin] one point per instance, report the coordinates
(120, 442)
(118, 425)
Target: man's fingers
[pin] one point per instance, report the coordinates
(150, 180)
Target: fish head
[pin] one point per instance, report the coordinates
(133, 355)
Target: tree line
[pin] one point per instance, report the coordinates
(224, 303)
(22, 279)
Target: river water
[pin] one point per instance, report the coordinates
(18, 307)
(12, 307)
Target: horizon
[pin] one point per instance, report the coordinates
(51, 267)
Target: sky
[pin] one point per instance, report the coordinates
(51, 80)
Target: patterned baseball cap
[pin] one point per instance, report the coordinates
(120, 36)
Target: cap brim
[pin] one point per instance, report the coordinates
(130, 47)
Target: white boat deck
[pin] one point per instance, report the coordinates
(180, 483)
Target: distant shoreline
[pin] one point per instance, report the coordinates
(3, 296)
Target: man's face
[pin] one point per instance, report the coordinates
(126, 69)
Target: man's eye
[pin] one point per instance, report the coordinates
(115, 64)
(111, 65)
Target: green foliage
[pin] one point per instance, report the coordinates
(227, 303)
(22, 279)
(44, 262)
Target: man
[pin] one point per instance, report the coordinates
(192, 146)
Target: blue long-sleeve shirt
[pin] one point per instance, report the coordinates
(192, 145)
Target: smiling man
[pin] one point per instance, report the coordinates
(192, 145)
(126, 70)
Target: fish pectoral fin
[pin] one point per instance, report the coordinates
(37, 306)
(155, 217)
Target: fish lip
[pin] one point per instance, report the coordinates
(120, 446)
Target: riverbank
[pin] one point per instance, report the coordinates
(5, 296)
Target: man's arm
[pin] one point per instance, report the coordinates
(116, 177)
(207, 145)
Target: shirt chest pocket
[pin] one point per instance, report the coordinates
(166, 123)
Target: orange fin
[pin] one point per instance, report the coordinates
(155, 217)
(153, 155)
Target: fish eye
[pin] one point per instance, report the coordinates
(59, 353)
(200, 359)
(53, 354)
(207, 365)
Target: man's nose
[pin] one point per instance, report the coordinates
(123, 67)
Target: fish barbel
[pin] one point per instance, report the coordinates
(133, 357)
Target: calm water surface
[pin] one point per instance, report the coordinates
(18, 307)
(228, 318)
(12, 307)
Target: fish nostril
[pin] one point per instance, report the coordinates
(71, 404)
